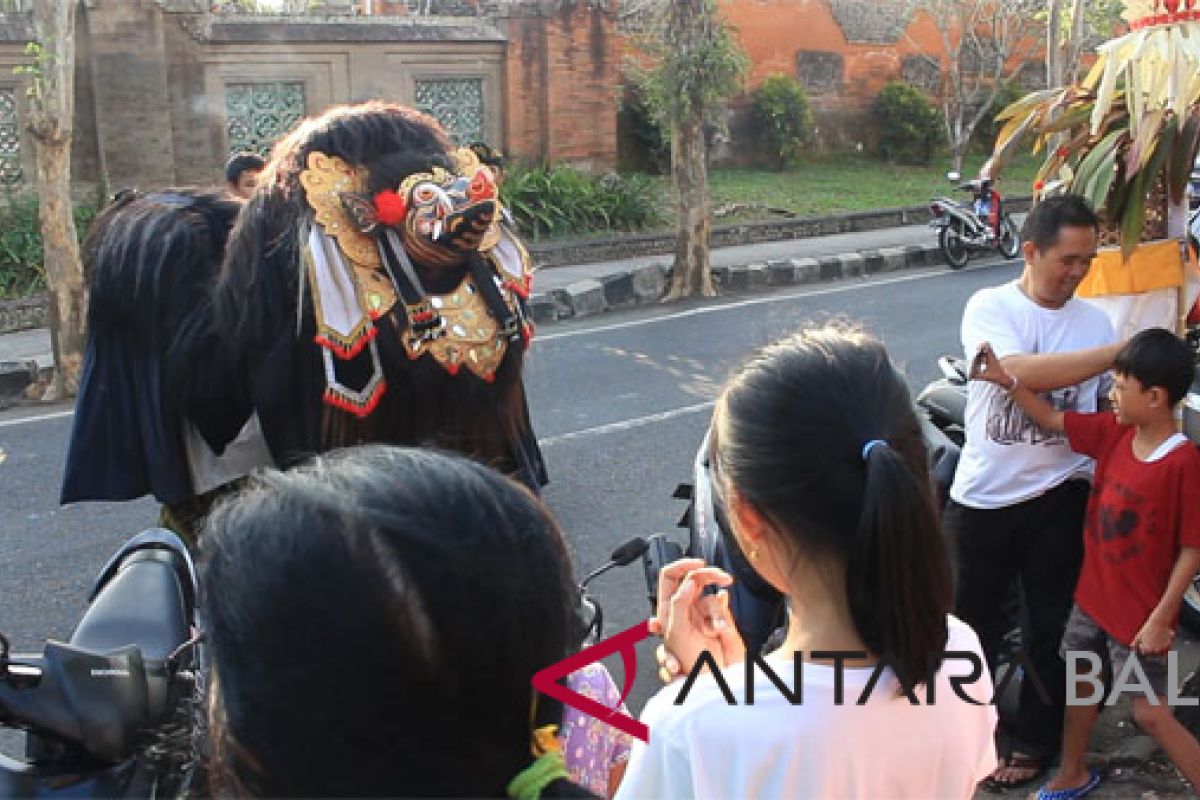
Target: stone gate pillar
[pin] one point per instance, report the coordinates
(133, 105)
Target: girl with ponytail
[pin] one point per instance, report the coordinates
(818, 461)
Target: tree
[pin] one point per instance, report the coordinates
(984, 44)
(51, 113)
(697, 67)
(1073, 26)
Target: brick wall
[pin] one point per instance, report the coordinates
(843, 51)
(152, 76)
(563, 75)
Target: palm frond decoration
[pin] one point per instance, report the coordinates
(1132, 122)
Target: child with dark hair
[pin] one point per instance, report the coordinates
(376, 617)
(820, 468)
(241, 173)
(1141, 539)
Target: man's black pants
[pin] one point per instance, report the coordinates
(1040, 541)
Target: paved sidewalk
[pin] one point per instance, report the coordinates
(552, 278)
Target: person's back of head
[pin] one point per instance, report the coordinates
(1048, 217)
(1158, 359)
(376, 617)
(818, 433)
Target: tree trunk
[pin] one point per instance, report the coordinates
(1055, 51)
(689, 171)
(52, 107)
(1074, 46)
(64, 272)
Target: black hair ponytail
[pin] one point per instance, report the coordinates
(898, 594)
(818, 432)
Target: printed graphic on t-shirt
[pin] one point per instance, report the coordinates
(1008, 424)
(1118, 514)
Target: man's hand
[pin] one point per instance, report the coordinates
(986, 367)
(1154, 638)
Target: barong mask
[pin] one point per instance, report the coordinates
(362, 259)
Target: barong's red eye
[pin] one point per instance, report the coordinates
(390, 208)
(483, 185)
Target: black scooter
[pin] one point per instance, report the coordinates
(113, 711)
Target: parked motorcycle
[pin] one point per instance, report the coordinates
(981, 225)
(110, 713)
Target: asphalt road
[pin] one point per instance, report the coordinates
(620, 403)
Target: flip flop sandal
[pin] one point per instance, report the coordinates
(1071, 794)
(1036, 765)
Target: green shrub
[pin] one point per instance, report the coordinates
(21, 270)
(643, 144)
(909, 126)
(560, 200)
(782, 119)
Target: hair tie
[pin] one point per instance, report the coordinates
(871, 445)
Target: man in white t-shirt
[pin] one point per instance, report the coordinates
(1019, 495)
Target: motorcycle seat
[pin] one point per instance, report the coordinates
(141, 605)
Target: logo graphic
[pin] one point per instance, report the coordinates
(545, 681)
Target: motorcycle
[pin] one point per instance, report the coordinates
(982, 225)
(112, 712)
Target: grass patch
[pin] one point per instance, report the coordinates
(850, 183)
(819, 185)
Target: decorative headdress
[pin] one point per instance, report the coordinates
(360, 262)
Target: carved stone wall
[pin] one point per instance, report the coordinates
(872, 21)
(165, 89)
(921, 72)
(820, 71)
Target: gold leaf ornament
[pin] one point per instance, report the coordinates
(324, 182)
(327, 181)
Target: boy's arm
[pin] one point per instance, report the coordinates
(1156, 634)
(986, 367)
(1046, 371)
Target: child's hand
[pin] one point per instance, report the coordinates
(986, 367)
(1155, 637)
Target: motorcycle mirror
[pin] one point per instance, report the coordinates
(952, 176)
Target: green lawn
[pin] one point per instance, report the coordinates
(849, 183)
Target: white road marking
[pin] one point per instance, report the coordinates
(754, 301)
(8, 423)
(634, 323)
(628, 424)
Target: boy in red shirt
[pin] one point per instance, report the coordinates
(1141, 538)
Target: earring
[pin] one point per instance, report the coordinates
(754, 553)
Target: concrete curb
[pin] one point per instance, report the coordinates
(15, 377)
(646, 285)
(631, 245)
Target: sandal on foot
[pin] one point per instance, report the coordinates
(1034, 765)
(1071, 794)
